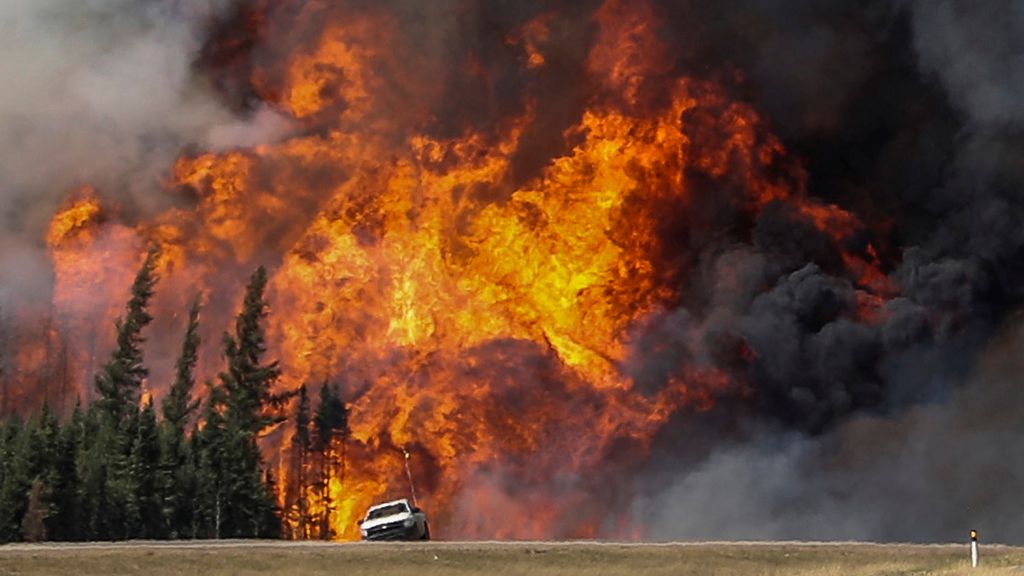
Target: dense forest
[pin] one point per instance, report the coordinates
(120, 468)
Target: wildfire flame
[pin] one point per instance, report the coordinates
(478, 320)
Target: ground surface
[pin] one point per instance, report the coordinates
(426, 559)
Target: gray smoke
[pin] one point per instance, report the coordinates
(105, 93)
(929, 474)
(901, 429)
(976, 50)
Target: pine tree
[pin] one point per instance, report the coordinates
(65, 522)
(120, 380)
(121, 515)
(331, 431)
(209, 451)
(29, 460)
(237, 501)
(54, 471)
(94, 505)
(147, 510)
(177, 468)
(179, 406)
(270, 523)
(109, 476)
(298, 483)
(252, 404)
(14, 481)
(107, 495)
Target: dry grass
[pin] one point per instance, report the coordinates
(504, 559)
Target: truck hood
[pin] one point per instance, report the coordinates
(385, 520)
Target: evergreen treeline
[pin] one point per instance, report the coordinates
(114, 470)
(317, 463)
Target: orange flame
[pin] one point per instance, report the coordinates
(477, 322)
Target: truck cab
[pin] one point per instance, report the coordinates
(395, 520)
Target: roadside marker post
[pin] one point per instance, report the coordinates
(974, 548)
(408, 472)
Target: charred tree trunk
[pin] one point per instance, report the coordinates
(325, 491)
(341, 463)
(299, 523)
(302, 501)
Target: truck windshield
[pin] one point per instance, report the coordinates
(386, 511)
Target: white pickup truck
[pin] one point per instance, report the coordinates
(395, 520)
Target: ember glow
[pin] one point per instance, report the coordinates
(476, 313)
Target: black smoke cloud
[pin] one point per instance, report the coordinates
(873, 99)
(927, 474)
(904, 429)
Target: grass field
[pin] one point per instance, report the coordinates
(426, 559)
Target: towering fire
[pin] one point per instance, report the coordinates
(479, 281)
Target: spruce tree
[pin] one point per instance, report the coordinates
(14, 479)
(114, 446)
(245, 405)
(331, 429)
(178, 405)
(120, 380)
(110, 477)
(177, 468)
(51, 479)
(146, 503)
(29, 464)
(251, 402)
(94, 505)
(6, 458)
(65, 522)
(209, 450)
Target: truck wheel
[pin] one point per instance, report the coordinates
(426, 532)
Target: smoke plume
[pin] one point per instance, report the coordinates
(904, 113)
(767, 253)
(922, 475)
(102, 93)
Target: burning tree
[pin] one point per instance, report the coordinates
(297, 522)
(315, 478)
(330, 426)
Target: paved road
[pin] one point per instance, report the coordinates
(220, 544)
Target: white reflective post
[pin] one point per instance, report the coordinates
(974, 548)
